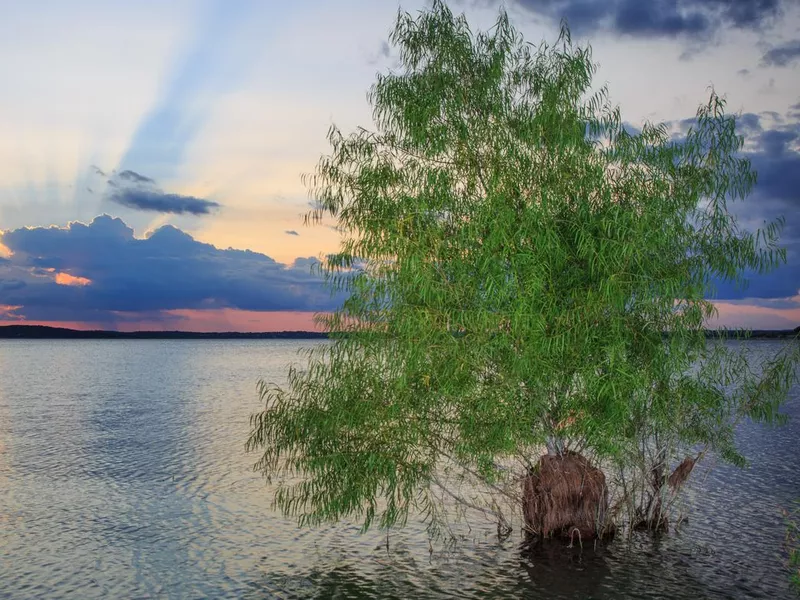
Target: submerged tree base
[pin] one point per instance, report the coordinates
(565, 497)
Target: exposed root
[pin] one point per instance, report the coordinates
(565, 495)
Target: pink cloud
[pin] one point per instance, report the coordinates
(8, 311)
(748, 316)
(226, 319)
(213, 320)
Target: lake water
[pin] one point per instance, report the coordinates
(123, 475)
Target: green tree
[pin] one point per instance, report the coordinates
(524, 276)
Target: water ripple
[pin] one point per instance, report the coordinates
(122, 474)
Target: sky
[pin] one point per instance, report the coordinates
(151, 153)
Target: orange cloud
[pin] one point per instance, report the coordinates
(67, 279)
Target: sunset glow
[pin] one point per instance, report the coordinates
(165, 184)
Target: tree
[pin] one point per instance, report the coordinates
(525, 276)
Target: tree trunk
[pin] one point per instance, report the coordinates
(565, 496)
(654, 517)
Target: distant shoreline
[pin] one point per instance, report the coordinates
(33, 332)
(754, 334)
(45, 332)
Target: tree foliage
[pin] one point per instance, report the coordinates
(523, 273)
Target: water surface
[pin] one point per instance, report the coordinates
(123, 475)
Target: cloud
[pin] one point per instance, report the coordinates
(291, 232)
(774, 153)
(660, 18)
(783, 55)
(136, 191)
(95, 272)
(384, 55)
(8, 285)
(749, 123)
(160, 202)
(772, 145)
(775, 116)
(134, 177)
(631, 129)
(755, 317)
(67, 279)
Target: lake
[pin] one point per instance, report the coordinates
(123, 475)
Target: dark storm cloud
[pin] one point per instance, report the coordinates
(775, 143)
(774, 153)
(660, 18)
(631, 129)
(749, 122)
(134, 177)
(166, 271)
(8, 285)
(158, 201)
(772, 145)
(136, 191)
(783, 55)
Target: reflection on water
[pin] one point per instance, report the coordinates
(122, 474)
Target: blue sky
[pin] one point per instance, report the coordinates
(189, 123)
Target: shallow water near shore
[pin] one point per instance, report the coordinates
(123, 475)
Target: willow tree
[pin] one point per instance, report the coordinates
(525, 277)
